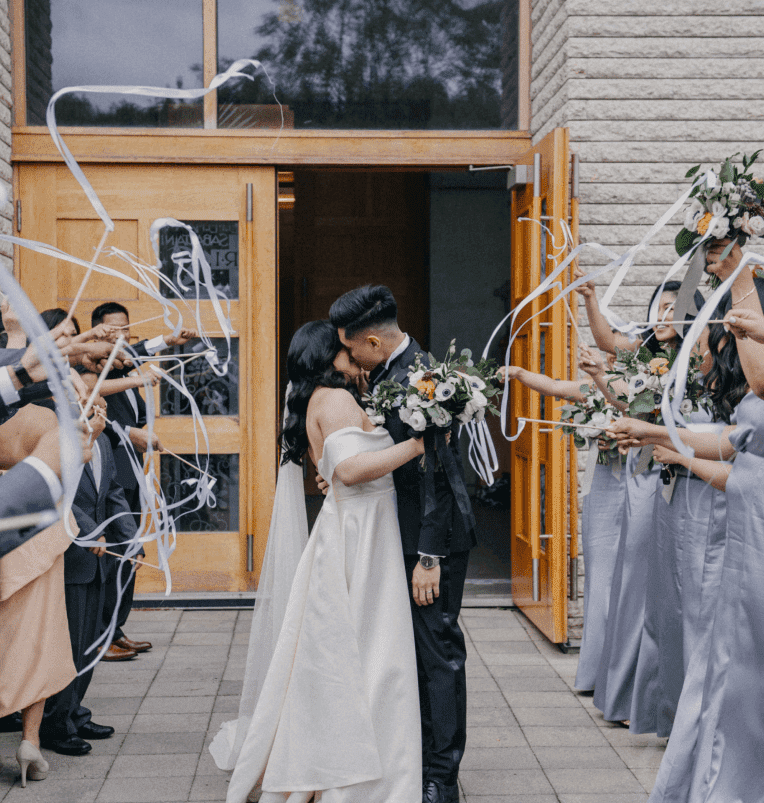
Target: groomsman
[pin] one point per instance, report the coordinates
(128, 409)
(435, 548)
(67, 724)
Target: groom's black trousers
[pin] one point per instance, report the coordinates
(441, 655)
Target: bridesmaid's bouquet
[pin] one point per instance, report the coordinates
(643, 377)
(439, 393)
(594, 411)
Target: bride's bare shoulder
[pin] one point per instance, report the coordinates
(334, 408)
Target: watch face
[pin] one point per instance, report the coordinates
(427, 562)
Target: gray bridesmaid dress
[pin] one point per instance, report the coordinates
(728, 759)
(601, 517)
(672, 784)
(614, 685)
(694, 518)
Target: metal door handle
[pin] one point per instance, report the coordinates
(250, 553)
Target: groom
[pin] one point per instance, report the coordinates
(435, 548)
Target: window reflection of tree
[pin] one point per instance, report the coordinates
(213, 394)
(426, 64)
(224, 517)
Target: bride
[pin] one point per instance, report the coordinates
(330, 704)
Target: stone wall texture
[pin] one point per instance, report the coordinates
(647, 89)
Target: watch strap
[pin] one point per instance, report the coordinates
(22, 375)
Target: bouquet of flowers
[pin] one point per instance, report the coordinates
(596, 411)
(437, 396)
(733, 201)
(645, 375)
(455, 389)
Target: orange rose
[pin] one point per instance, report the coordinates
(703, 223)
(426, 387)
(658, 365)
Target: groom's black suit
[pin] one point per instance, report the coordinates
(440, 649)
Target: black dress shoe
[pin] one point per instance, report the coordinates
(92, 731)
(436, 792)
(69, 746)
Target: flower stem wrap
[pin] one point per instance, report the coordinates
(436, 448)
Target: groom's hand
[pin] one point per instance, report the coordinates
(323, 485)
(425, 584)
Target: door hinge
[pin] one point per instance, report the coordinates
(250, 553)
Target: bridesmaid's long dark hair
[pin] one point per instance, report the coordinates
(310, 364)
(650, 341)
(726, 379)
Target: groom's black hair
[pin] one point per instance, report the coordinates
(363, 308)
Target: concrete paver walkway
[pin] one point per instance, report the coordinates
(531, 738)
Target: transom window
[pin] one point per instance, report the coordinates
(334, 64)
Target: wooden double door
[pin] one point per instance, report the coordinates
(234, 211)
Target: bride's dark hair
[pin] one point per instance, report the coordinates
(310, 364)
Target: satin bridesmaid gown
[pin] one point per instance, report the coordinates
(614, 684)
(684, 527)
(601, 518)
(728, 760)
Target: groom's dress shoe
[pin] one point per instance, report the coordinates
(92, 731)
(435, 792)
(69, 746)
(128, 644)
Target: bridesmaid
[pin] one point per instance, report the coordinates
(615, 681)
(602, 512)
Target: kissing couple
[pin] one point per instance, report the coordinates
(354, 688)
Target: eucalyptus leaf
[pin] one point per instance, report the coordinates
(692, 171)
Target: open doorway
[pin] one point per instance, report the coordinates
(441, 241)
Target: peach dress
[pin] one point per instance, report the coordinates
(35, 649)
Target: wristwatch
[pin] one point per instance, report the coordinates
(428, 561)
(22, 375)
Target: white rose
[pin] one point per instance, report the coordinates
(685, 408)
(756, 226)
(479, 399)
(741, 220)
(417, 421)
(415, 377)
(480, 415)
(664, 378)
(377, 420)
(464, 417)
(720, 228)
(693, 215)
(728, 187)
(445, 390)
(441, 417)
(406, 414)
(579, 418)
(600, 420)
(718, 209)
(413, 401)
(654, 382)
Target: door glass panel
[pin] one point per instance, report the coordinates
(220, 242)
(113, 42)
(224, 517)
(405, 64)
(213, 394)
(542, 504)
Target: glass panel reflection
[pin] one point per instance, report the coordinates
(224, 517)
(401, 64)
(113, 42)
(220, 242)
(213, 394)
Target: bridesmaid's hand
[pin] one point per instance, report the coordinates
(668, 456)
(631, 432)
(744, 323)
(590, 361)
(507, 372)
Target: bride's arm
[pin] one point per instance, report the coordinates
(342, 411)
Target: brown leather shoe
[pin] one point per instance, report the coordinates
(116, 653)
(135, 646)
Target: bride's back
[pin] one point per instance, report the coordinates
(329, 410)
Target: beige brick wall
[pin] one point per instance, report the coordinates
(647, 89)
(6, 104)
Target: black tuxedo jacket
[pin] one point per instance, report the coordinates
(91, 508)
(446, 533)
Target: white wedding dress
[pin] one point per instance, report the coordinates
(338, 713)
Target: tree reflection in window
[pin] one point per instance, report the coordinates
(213, 394)
(177, 483)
